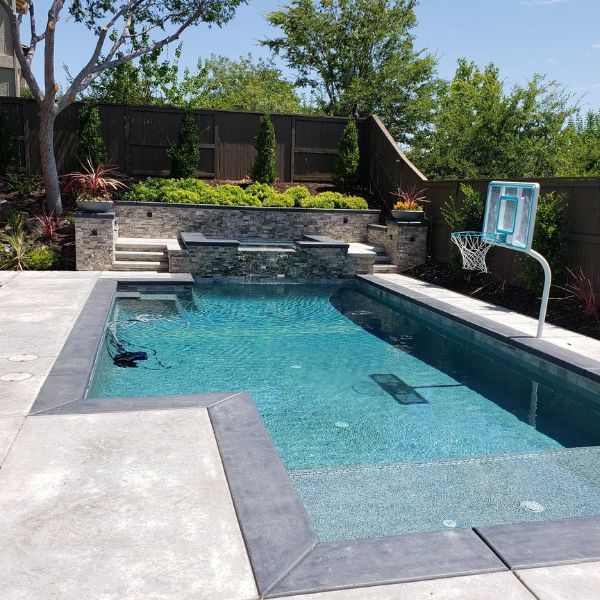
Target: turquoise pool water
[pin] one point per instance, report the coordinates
(372, 408)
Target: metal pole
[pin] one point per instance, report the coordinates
(545, 292)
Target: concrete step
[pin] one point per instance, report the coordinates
(140, 265)
(145, 244)
(385, 268)
(143, 255)
(382, 258)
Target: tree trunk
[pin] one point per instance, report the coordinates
(49, 169)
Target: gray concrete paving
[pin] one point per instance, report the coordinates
(9, 428)
(119, 505)
(566, 582)
(492, 586)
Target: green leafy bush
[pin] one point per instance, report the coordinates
(351, 202)
(264, 166)
(91, 142)
(185, 155)
(5, 143)
(149, 190)
(42, 258)
(234, 195)
(282, 200)
(346, 163)
(15, 246)
(22, 184)
(323, 200)
(298, 193)
(262, 191)
(550, 240)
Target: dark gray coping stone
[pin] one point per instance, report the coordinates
(543, 543)
(323, 240)
(331, 244)
(250, 208)
(567, 359)
(91, 215)
(71, 373)
(275, 525)
(197, 239)
(414, 557)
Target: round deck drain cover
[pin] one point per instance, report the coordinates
(341, 424)
(532, 505)
(449, 523)
(22, 357)
(15, 377)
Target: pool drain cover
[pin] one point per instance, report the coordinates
(449, 523)
(341, 425)
(15, 376)
(532, 506)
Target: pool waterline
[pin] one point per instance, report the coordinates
(307, 354)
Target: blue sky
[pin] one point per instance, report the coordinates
(558, 37)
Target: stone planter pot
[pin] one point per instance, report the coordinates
(98, 206)
(408, 215)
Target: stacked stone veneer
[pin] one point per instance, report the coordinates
(404, 241)
(151, 219)
(306, 260)
(95, 235)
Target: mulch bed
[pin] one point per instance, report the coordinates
(563, 310)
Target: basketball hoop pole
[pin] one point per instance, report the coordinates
(545, 292)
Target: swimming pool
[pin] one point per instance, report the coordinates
(387, 422)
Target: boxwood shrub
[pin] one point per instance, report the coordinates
(298, 193)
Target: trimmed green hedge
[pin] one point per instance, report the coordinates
(196, 191)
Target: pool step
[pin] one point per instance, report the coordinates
(143, 254)
(387, 267)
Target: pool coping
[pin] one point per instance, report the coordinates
(286, 554)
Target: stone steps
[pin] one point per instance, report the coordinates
(140, 265)
(385, 268)
(143, 254)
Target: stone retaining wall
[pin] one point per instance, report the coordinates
(95, 235)
(157, 220)
(404, 242)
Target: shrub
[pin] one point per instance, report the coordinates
(180, 196)
(262, 191)
(264, 165)
(352, 202)
(49, 227)
(346, 163)
(42, 258)
(5, 143)
(283, 200)
(15, 247)
(324, 200)
(549, 240)
(583, 288)
(234, 195)
(185, 155)
(467, 216)
(91, 146)
(150, 190)
(22, 184)
(298, 193)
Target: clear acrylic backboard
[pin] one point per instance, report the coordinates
(510, 214)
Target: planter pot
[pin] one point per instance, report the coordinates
(99, 206)
(408, 215)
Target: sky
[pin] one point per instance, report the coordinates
(560, 38)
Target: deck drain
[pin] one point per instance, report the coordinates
(341, 425)
(22, 357)
(15, 377)
(532, 506)
(449, 523)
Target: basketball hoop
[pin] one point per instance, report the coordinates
(473, 246)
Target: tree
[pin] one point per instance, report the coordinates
(186, 153)
(481, 130)
(583, 138)
(91, 144)
(264, 165)
(359, 52)
(124, 30)
(346, 163)
(6, 149)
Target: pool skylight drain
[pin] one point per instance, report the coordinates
(532, 506)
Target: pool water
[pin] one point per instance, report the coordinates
(372, 409)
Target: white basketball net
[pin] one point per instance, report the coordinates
(473, 247)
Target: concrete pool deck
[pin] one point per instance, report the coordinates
(136, 504)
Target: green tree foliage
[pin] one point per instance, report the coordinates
(91, 142)
(359, 52)
(583, 135)
(346, 163)
(264, 165)
(5, 143)
(481, 130)
(185, 154)
(550, 240)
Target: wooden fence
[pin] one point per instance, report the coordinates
(138, 138)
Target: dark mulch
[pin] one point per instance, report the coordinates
(563, 310)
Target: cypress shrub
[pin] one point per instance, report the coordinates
(346, 163)
(91, 143)
(185, 154)
(5, 143)
(264, 165)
